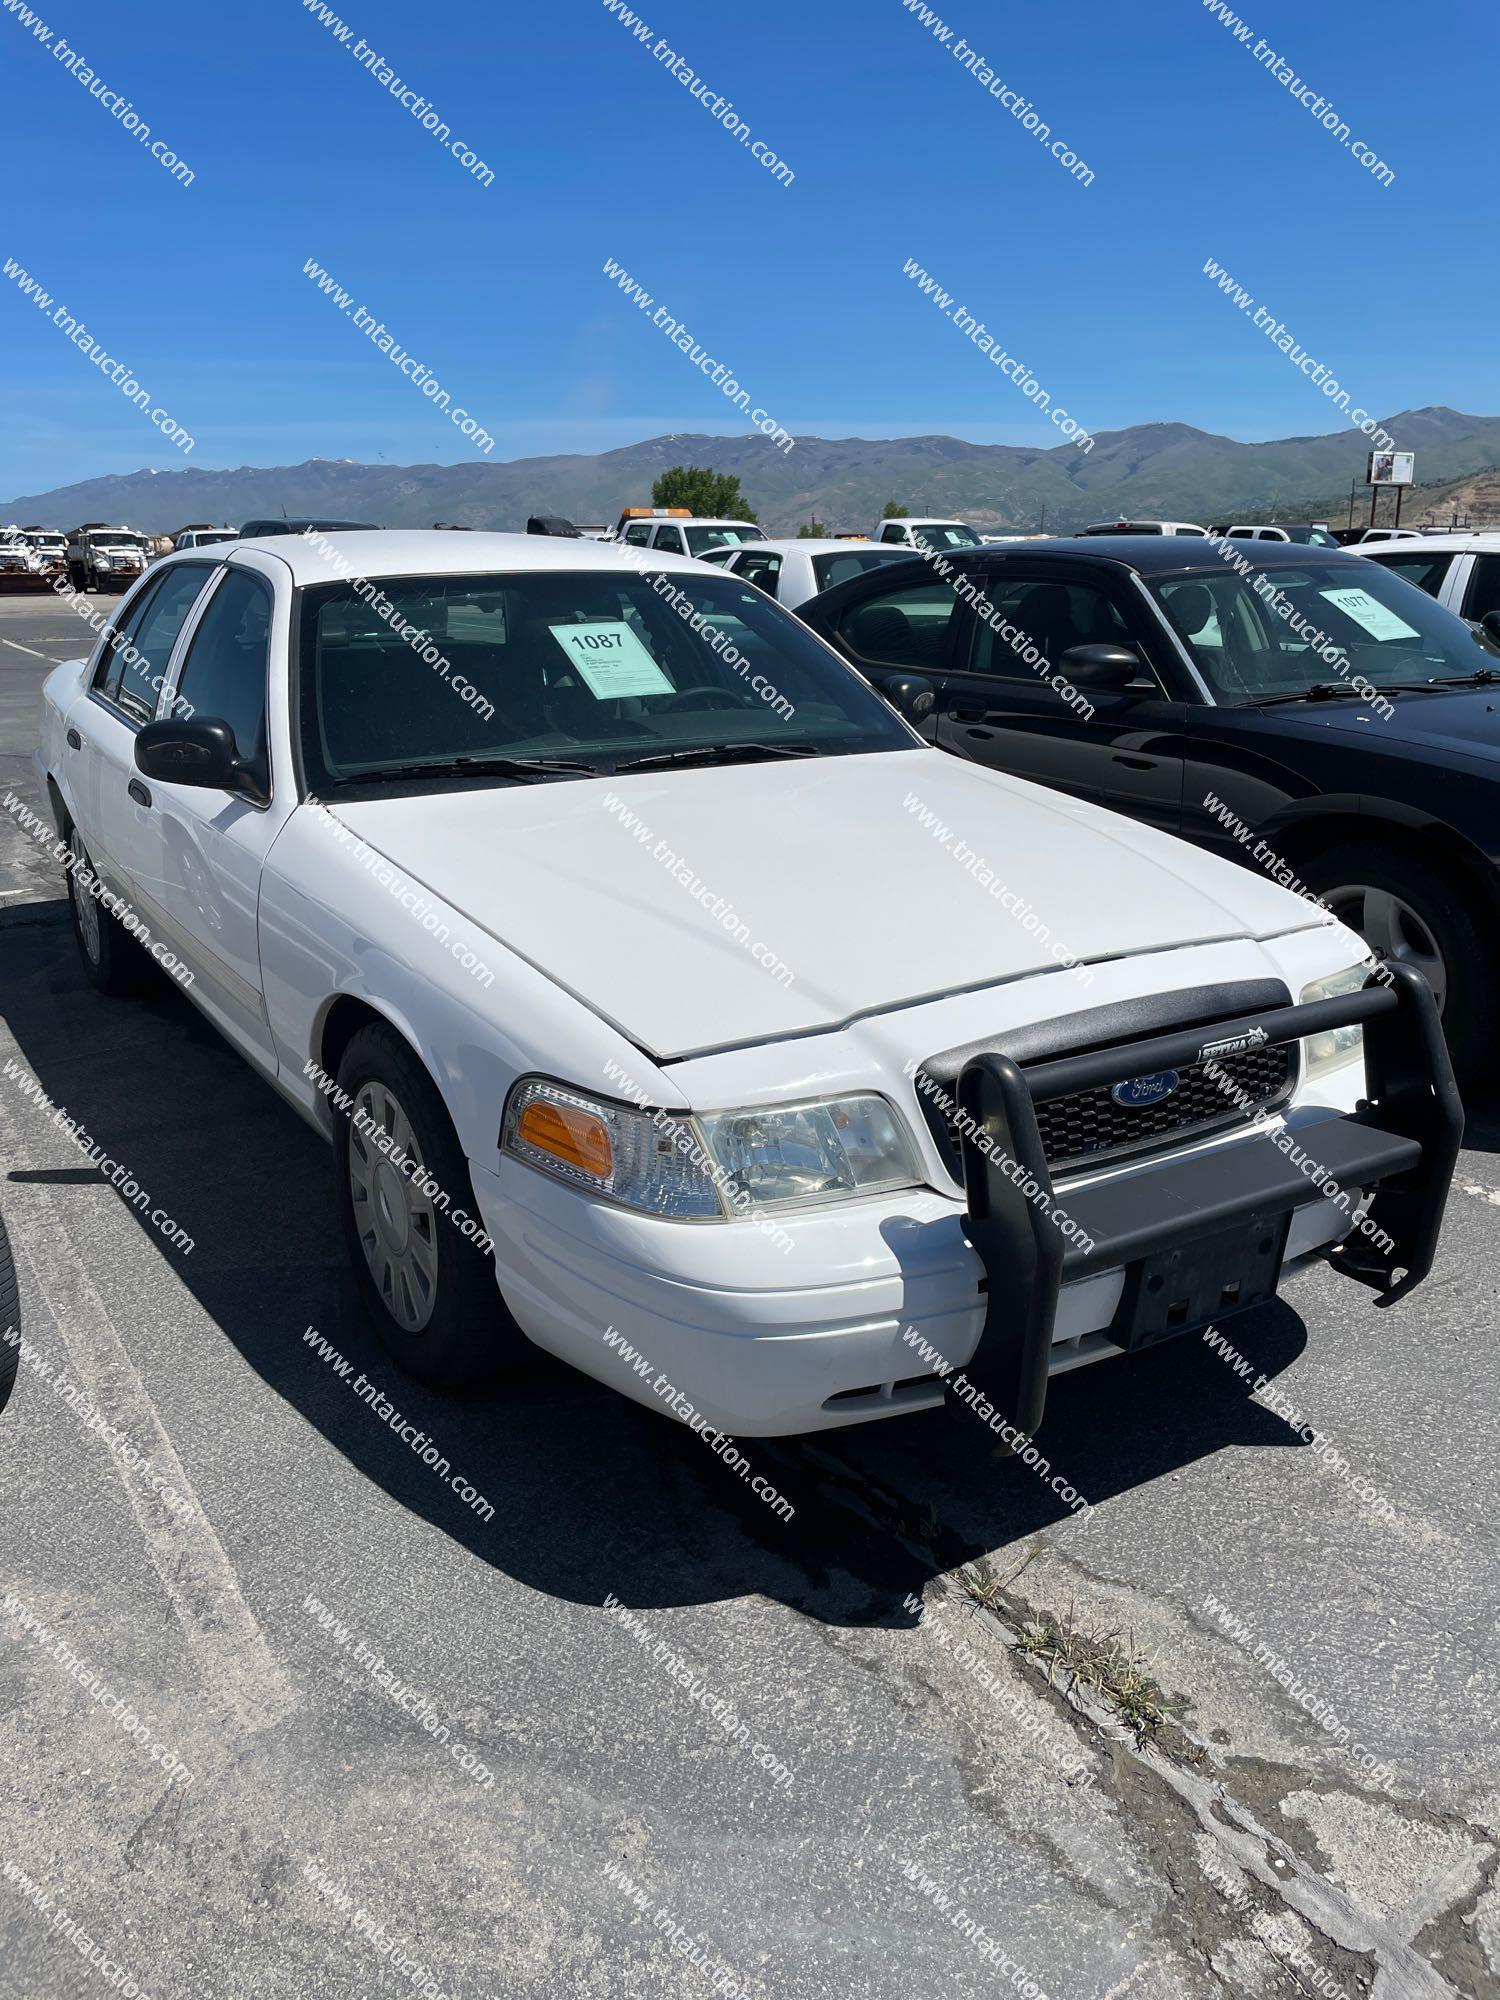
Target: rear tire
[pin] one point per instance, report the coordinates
(429, 1291)
(113, 962)
(1405, 908)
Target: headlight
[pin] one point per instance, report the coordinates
(826, 1151)
(722, 1164)
(1335, 1046)
(103, 561)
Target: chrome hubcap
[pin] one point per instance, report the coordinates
(397, 1223)
(1392, 929)
(85, 907)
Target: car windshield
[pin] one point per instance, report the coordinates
(1294, 626)
(597, 668)
(117, 541)
(946, 535)
(699, 539)
(1318, 537)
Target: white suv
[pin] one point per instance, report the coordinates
(926, 531)
(1459, 570)
(693, 536)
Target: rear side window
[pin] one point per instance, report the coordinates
(1038, 616)
(1425, 571)
(223, 678)
(759, 566)
(1483, 592)
(902, 628)
(134, 664)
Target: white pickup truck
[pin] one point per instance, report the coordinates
(655, 983)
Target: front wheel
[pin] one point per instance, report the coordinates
(402, 1179)
(1405, 909)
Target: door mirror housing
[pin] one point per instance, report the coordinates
(913, 695)
(1490, 623)
(1110, 667)
(197, 752)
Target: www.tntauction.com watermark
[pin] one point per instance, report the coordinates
(395, 1951)
(718, 1708)
(970, 591)
(996, 355)
(94, 1420)
(1313, 369)
(62, 1924)
(341, 568)
(681, 871)
(409, 99)
(1010, 900)
(410, 1700)
(375, 1135)
(116, 1707)
(718, 372)
(1310, 99)
(112, 1170)
(380, 336)
(708, 1963)
(90, 884)
(722, 1446)
(415, 1440)
(116, 371)
(402, 890)
(122, 110)
(718, 106)
(1019, 107)
(678, 1132)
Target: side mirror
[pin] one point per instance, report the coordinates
(1112, 667)
(1490, 624)
(197, 752)
(912, 694)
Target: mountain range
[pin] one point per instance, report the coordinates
(1150, 470)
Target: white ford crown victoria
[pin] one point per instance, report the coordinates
(653, 980)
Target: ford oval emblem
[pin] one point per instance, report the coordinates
(1139, 1091)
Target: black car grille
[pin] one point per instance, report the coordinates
(1089, 1128)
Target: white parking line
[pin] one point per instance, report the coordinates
(26, 649)
(197, 1576)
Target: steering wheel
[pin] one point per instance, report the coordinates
(703, 697)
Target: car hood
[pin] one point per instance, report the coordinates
(704, 908)
(1456, 722)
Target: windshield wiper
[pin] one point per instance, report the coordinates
(718, 753)
(476, 767)
(1323, 691)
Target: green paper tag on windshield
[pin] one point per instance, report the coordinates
(611, 659)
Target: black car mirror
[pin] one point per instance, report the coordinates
(912, 694)
(1490, 623)
(198, 752)
(1112, 667)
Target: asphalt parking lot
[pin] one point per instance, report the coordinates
(463, 1768)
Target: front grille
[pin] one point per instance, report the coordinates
(1089, 1127)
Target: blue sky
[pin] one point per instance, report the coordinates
(598, 152)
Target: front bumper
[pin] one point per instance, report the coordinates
(865, 1308)
(1204, 1236)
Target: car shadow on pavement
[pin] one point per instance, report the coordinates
(592, 1494)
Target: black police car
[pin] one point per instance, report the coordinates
(1300, 709)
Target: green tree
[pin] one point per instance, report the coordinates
(894, 511)
(815, 530)
(715, 495)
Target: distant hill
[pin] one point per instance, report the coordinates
(1169, 470)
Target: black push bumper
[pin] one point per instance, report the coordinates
(1202, 1237)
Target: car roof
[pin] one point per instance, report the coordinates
(436, 552)
(1444, 538)
(925, 521)
(818, 544)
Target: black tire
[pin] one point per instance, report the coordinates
(10, 1319)
(112, 960)
(1463, 933)
(468, 1335)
